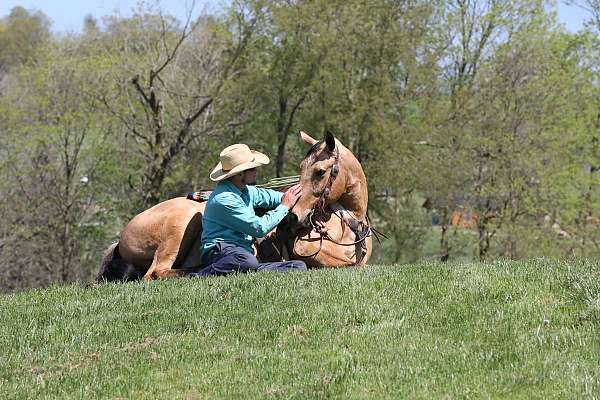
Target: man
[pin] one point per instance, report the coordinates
(229, 222)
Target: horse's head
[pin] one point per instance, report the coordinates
(330, 173)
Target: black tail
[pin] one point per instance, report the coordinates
(114, 268)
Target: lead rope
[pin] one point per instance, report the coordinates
(324, 235)
(318, 229)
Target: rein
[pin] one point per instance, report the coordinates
(361, 234)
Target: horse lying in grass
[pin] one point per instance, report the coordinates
(328, 227)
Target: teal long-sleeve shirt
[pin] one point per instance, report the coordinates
(229, 215)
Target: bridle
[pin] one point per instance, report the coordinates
(322, 201)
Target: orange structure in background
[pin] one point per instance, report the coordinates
(466, 219)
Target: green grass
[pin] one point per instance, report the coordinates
(506, 329)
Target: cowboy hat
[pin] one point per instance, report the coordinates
(235, 159)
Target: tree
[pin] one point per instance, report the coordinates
(470, 33)
(169, 87)
(54, 147)
(21, 33)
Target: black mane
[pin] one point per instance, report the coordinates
(313, 148)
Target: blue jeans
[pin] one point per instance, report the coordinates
(225, 258)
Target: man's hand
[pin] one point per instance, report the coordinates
(291, 196)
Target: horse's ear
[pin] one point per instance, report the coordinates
(306, 138)
(330, 140)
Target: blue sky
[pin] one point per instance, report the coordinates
(68, 15)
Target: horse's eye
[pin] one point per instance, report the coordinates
(320, 172)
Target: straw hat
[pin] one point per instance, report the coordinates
(235, 159)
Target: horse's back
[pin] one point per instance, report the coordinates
(174, 218)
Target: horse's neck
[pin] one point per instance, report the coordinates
(355, 197)
(355, 201)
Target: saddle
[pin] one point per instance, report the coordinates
(204, 195)
(361, 230)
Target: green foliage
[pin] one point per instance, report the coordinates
(57, 148)
(488, 107)
(21, 34)
(418, 331)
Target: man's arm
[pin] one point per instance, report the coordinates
(265, 198)
(233, 213)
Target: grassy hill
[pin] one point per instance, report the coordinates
(507, 329)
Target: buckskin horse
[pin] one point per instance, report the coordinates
(328, 227)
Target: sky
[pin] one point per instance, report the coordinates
(68, 15)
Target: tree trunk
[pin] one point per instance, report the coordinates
(444, 243)
(281, 137)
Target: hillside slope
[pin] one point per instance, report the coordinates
(518, 329)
